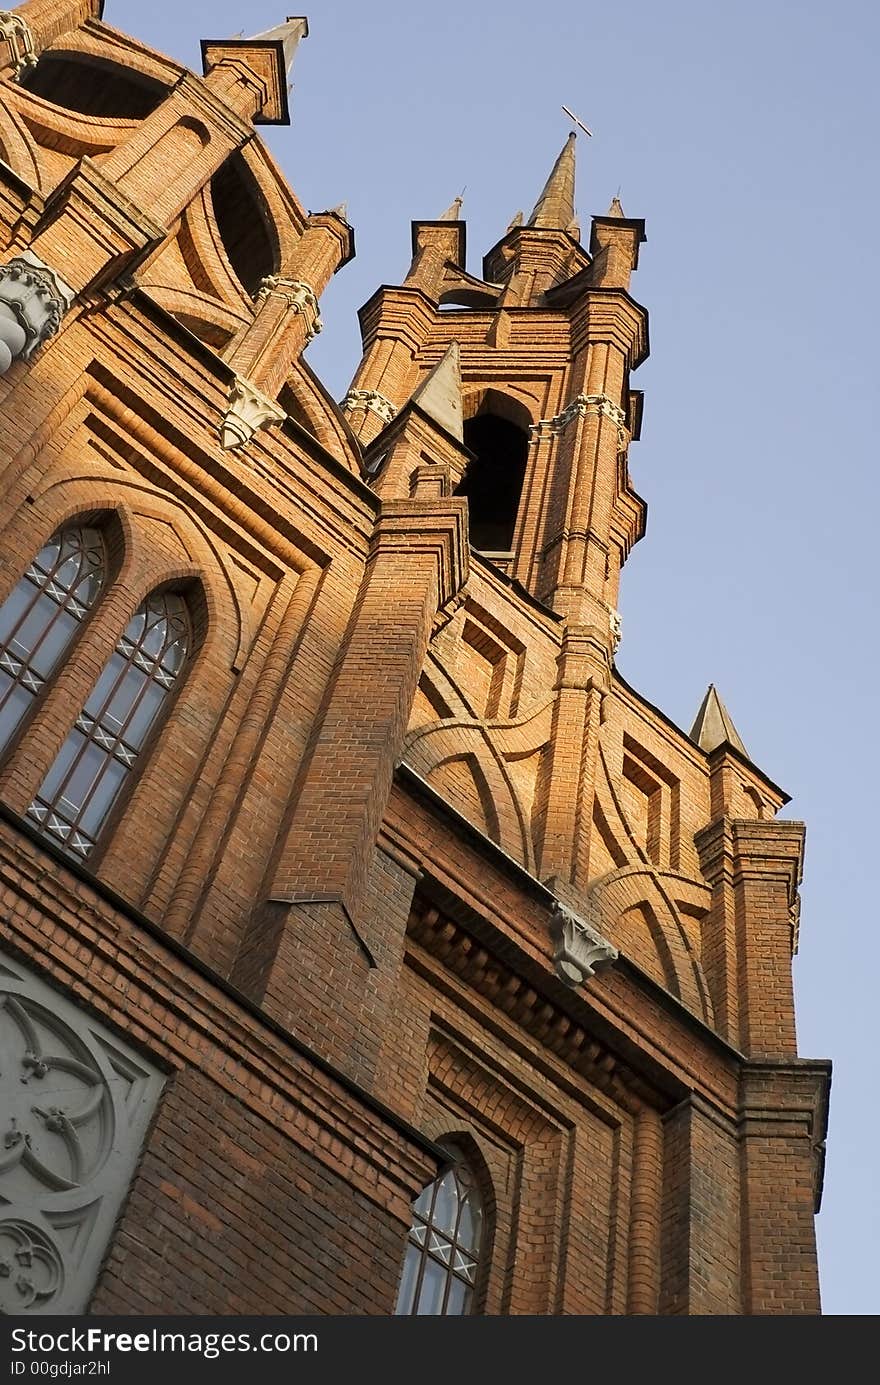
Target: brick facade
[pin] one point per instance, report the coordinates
(404, 860)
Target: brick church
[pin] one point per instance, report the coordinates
(368, 945)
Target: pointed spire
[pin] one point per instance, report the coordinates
(714, 726)
(439, 394)
(289, 35)
(554, 209)
(616, 209)
(452, 213)
(517, 220)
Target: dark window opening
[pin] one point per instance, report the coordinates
(242, 227)
(92, 87)
(493, 481)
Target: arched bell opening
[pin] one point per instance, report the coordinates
(493, 480)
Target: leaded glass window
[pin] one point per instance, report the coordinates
(105, 744)
(443, 1247)
(41, 615)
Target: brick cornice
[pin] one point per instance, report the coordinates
(785, 1100)
(406, 314)
(765, 849)
(611, 315)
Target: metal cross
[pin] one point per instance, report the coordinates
(571, 115)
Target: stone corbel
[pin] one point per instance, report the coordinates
(579, 407)
(580, 950)
(33, 301)
(22, 49)
(248, 410)
(372, 400)
(299, 296)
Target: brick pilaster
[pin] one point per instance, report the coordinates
(783, 1112)
(313, 900)
(701, 1243)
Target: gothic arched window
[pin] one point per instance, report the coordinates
(41, 615)
(101, 751)
(443, 1246)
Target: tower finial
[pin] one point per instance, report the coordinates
(714, 725)
(554, 209)
(288, 34)
(452, 212)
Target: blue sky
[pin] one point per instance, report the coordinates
(745, 135)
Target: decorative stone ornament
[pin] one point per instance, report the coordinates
(247, 411)
(75, 1104)
(22, 49)
(579, 407)
(580, 950)
(297, 295)
(372, 400)
(615, 625)
(33, 301)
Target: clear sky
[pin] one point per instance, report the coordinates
(746, 136)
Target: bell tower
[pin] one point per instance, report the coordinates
(548, 337)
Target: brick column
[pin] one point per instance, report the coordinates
(701, 1239)
(286, 316)
(564, 795)
(311, 934)
(783, 1116)
(767, 860)
(720, 963)
(645, 1213)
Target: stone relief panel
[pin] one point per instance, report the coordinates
(75, 1104)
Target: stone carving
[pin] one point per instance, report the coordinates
(580, 950)
(369, 399)
(794, 915)
(33, 300)
(247, 411)
(31, 1270)
(615, 625)
(75, 1103)
(22, 49)
(297, 295)
(582, 405)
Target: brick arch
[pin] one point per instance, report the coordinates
(309, 404)
(200, 555)
(656, 895)
(446, 743)
(503, 403)
(467, 1142)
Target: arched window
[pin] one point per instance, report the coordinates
(91, 767)
(493, 481)
(40, 616)
(443, 1246)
